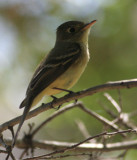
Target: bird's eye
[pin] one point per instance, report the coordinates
(71, 30)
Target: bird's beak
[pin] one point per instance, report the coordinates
(88, 25)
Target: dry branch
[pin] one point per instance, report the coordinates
(53, 145)
(61, 147)
(100, 88)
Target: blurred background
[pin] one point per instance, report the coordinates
(27, 33)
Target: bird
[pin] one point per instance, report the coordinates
(61, 68)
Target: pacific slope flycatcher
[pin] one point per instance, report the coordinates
(61, 68)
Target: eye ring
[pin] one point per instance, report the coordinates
(71, 30)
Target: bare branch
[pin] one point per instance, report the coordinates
(64, 156)
(81, 106)
(100, 118)
(53, 145)
(87, 146)
(100, 88)
(54, 115)
(122, 119)
(114, 103)
(82, 128)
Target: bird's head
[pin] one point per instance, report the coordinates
(74, 31)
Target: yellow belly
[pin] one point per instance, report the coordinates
(65, 81)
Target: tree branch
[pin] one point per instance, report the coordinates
(100, 88)
(61, 147)
(53, 145)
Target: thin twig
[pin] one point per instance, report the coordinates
(81, 106)
(83, 129)
(120, 99)
(2, 151)
(7, 147)
(54, 115)
(123, 119)
(114, 103)
(67, 155)
(100, 118)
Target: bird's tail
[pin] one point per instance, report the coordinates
(23, 103)
(23, 117)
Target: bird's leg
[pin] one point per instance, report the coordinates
(66, 90)
(54, 100)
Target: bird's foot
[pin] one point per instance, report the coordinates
(66, 90)
(54, 100)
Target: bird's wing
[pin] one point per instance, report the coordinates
(51, 69)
